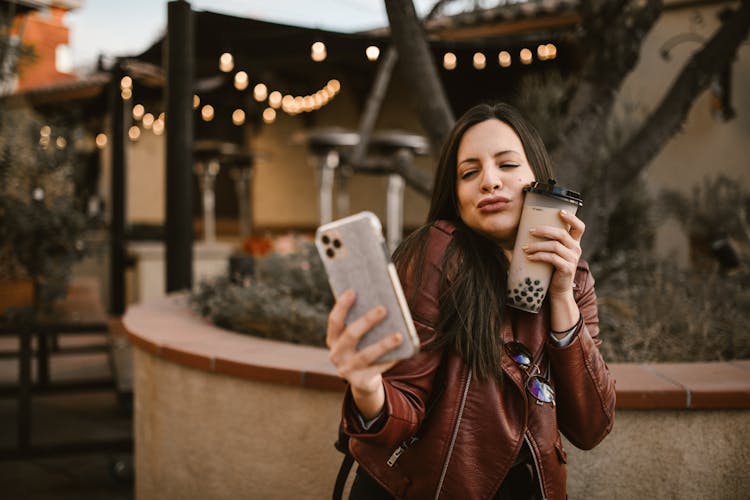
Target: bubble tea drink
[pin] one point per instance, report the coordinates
(528, 281)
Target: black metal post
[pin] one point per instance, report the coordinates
(117, 195)
(179, 224)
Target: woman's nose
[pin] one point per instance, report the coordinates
(490, 181)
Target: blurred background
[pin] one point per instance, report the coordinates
(287, 114)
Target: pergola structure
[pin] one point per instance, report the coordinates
(218, 49)
(185, 63)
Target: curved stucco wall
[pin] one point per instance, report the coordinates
(679, 454)
(201, 435)
(205, 435)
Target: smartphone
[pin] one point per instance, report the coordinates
(355, 256)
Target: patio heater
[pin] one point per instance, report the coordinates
(207, 172)
(401, 146)
(331, 146)
(209, 156)
(241, 171)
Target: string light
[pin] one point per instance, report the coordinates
(134, 133)
(318, 52)
(226, 62)
(126, 87)
(158, 127)
(504, 58)
(138, 111)
(551, 51)
(287, 102)
(260, 92)
(308, 103)
(45, 131)
(101, 140)
(60, 142)
(526, 56)
(319, 100)
(241, 80)
(274, 99)
(269, 115)
(449, 61)
(334, 85)
(207, 113)
(372, 53)
(480, 61)
(238, 117)
(291, 104)
(148, 121)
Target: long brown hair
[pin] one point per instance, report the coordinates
(474, 279)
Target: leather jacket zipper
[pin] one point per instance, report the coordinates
(455, 434)
(400, 450)
(536, 464)
(406, 444)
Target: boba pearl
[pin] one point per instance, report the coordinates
(527, 294)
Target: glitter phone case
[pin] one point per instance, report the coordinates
(355, 256)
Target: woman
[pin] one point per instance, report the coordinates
(460, 419)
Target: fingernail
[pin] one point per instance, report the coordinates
(564, 212)
(532, 230)
(396, 338)
(525, 248)
(381, 311)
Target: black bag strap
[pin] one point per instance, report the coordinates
(342, 445)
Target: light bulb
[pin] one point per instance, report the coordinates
(372, 53)
(241, 80)
(479, 61)
(226, 62)
(449, 61)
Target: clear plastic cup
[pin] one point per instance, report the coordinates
(528, 281)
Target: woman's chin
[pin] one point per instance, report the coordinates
(500, 235)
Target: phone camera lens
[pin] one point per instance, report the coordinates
(330, 252)
(337, 243)
(325, 239)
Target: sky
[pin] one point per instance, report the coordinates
(115, 28)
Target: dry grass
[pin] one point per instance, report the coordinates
(653, 311)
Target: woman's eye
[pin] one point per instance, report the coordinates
(508, 165)
(468, 174)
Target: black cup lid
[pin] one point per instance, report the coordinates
(551, 189)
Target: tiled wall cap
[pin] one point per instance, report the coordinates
(168, 328)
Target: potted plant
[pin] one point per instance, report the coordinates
(42, 224)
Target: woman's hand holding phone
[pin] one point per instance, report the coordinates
(359, 368)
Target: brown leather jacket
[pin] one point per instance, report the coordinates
(475, 429)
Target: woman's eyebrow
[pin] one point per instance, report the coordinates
(473, 159)
(468, 160)
(506, 152)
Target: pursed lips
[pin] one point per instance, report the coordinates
(493, 204)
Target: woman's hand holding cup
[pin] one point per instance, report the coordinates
(560, 248)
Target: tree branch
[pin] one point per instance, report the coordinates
(634, 156)
(616, 50)
(417, 65)
(672, 111)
